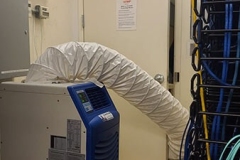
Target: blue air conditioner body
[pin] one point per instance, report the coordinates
(100, 118)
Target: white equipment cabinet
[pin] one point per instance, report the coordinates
(32, 117)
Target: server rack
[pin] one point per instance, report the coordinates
(215, 88)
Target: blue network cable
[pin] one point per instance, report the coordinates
(206, 68)
(237, 62)
(212, 146)
(227, 43)
(224, 73)
(234, 79)
(225, 79)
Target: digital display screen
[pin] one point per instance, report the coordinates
(83, 97)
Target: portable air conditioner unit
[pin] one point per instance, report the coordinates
(58, 122)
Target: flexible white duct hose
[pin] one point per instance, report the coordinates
(72, 61)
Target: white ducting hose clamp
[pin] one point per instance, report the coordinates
(90, 61)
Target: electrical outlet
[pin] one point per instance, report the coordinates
(41, 12)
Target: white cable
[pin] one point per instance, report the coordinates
(41, 25)
(86, 61)
(34, 37)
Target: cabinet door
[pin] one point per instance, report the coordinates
(148, 47)
(14, 46)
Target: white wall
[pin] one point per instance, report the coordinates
(62, 26)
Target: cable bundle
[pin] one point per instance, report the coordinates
(215, 111)
(234, 149)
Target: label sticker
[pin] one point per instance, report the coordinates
(107, 116)
(74, 136)
(56, 154)
(87, 106)
(75, 156)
